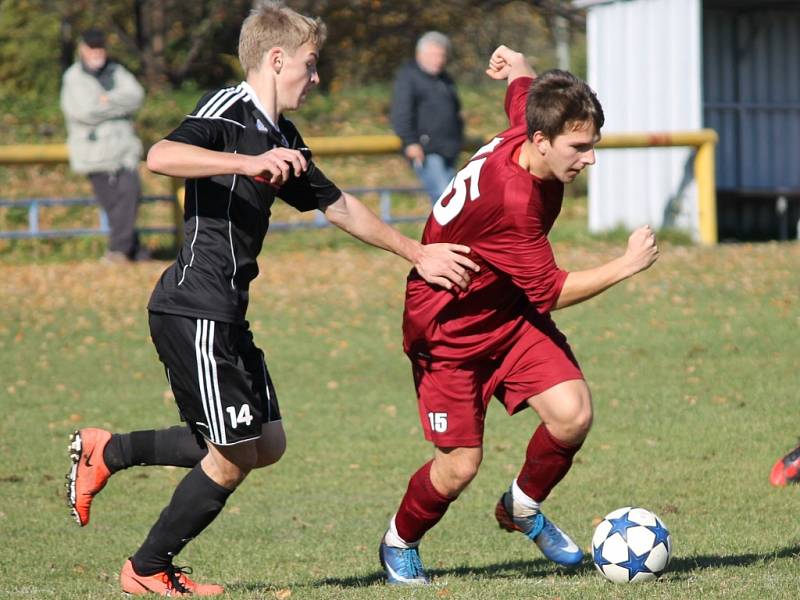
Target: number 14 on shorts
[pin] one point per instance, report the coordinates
(244, 415)
(438, 421)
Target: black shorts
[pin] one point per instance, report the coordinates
(218, 376)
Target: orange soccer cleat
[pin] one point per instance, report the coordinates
(786, 470)
(88, 474)
(171, 582)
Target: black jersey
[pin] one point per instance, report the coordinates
(226, 217)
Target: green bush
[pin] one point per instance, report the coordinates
(29, 58)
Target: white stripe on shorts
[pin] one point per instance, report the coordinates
(214, 385)
(207, 380)
(266, 389)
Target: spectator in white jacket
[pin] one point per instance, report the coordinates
(99, 98)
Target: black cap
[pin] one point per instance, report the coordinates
(94, 38)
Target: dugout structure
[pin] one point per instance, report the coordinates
(728, 65)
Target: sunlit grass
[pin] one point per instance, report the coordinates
(693, 366)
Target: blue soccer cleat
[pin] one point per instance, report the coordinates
(554, 543)
(403, 565)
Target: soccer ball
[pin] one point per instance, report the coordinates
(631, 544)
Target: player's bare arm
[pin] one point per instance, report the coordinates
(177, 159)
(439, 264)
(506, 63)
(641, 253)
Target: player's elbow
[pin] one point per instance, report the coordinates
(337, 212)
(156, 158)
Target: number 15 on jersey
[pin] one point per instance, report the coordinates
(444, 213)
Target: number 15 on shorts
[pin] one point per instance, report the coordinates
(438, 421)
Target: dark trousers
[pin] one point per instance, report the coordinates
(118, 193)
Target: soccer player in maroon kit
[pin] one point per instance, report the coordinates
(497, 338)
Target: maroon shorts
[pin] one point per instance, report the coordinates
(452, 400)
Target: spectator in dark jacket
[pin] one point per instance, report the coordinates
(426, 114)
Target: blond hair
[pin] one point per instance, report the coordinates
(271, 24)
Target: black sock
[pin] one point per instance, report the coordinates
(176, 446)
(195, 504)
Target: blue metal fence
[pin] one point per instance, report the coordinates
(33, 206)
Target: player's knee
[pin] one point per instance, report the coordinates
(583, 423)
(231, 465)
(452, 473)
(241, 468)
(571, 424)
(575, 428)
(463, 471)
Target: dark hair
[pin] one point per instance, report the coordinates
(558, 99)
(94, 38)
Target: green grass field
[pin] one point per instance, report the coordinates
(693, 365)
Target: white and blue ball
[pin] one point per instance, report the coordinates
(631, 544)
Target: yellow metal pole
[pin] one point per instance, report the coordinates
(704, 168)
(26, 154)
(369, 144)
(704, 175)
(658, 139)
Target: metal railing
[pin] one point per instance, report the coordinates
(34, 206)
(703, 140)
(28, 154)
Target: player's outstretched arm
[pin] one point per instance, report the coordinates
(177, 159)
(505, 63)
(641, 253)
(440, 264)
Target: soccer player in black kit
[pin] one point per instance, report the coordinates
(237, 153)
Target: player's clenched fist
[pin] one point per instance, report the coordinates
(276, 166)
(500, 62)
(505, 63)
(642, 249)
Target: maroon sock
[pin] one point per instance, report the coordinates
(547, 460)
(422, 506)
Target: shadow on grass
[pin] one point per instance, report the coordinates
(685, 564)
(504, 570)
(519, 569)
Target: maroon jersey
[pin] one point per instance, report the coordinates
(503, 213)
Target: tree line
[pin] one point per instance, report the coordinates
(168, 43)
